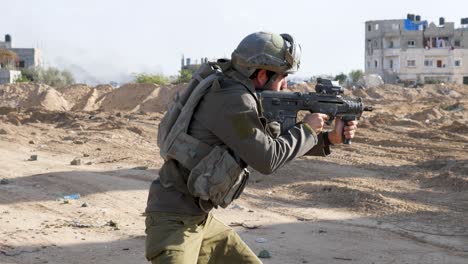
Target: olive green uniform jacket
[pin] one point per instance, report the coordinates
(229, 115)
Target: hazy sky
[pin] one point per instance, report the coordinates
(111, 39)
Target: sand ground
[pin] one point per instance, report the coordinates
(398, 194)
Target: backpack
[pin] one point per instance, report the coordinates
(215, 176)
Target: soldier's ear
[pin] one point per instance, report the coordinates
(262, 77)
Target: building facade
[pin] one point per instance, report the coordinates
(413, 50)
(27, 57)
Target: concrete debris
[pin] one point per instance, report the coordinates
(32, 142)
(76, 162)
(78, 224)
(33, 158)
(4, 181)
(4, 131)
(264, 254)
(261, 240)
(113, 224)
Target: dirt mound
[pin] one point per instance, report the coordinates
(344, 197)
(456, 127)
(129, 97)
(88, 102)
(427, 114)
(75, 93)
(163, 100)
(382, 119)
(28, 95)
(104, 88)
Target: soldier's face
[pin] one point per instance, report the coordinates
(280, 83)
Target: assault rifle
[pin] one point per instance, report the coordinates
(328, 99)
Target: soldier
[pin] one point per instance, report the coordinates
(205, 163)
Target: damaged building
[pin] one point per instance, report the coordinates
(413, 50)
(186, 63)
(26, 57)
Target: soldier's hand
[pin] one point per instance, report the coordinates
(316, 121)
(349, 130)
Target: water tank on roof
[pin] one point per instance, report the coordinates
(418, 18)
(411, 17)
(464, 21)
(441, 21)
(7, 38)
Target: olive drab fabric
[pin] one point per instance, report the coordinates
(188, 239)
(172, 130)
(216, 177)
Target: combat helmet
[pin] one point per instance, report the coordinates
(269, 51)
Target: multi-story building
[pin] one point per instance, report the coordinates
(27, 57)
(413, 50)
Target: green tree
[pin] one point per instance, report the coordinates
(184, 76)
(50, 76)
(355, 75)
(159, 79)
(341, 78)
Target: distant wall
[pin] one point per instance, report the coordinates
(7, 76)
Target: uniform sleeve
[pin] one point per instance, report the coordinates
(232, 116)
(322, 148)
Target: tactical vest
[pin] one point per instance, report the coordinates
(216, 178)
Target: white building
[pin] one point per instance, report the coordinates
(417, 51)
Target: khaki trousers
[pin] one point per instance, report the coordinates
(187, 239)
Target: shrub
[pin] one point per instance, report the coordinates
(184, 76)
(341, 78)
(355, 75)
(159, 79)
(50, 76)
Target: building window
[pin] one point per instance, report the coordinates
(439, 63)
(457, 43)
(376, 26)
(411, 43)
(21, 64)
(376, 64)
(390, 44)
(369, 28)
(391, 64)
(411, 63)
(457, 63)
(375, 44)
(428, 63)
